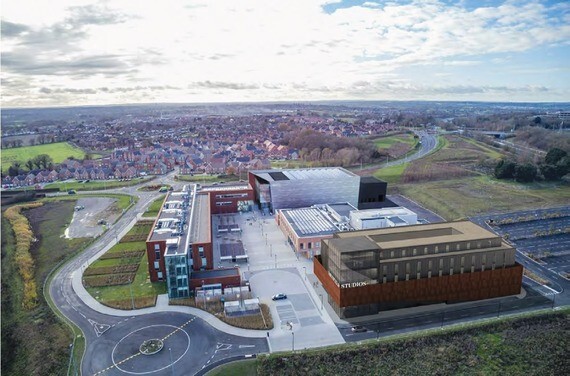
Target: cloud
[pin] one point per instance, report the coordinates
(308, 49)
(10, 29)
(223, 85)
(83, 66)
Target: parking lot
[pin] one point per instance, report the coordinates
(88, 214)
(540, 234)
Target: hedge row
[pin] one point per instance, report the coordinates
(127, 303)
(24, 238)
(134, 238)
(109, 280)
(130, 268)
(128, 255)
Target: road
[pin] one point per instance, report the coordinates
(427, 146)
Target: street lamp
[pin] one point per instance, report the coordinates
(276, 261)
(305, 271)
(171, 364)
(321, 295)
(293, 341)
(131, 290)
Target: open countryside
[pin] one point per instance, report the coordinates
(58, 151)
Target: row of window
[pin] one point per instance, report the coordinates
(232, 195)
(310, 245)
(436, 249)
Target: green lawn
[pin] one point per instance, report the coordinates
(154, 208)
(391, 174)
(141, 287)
(292, 163)
(127, 247)
(58, 151)
(387, 142)
(95, 185)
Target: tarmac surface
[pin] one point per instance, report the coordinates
(84, 222)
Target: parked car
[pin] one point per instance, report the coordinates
(71, 192)
(279, 297)
(358, 329)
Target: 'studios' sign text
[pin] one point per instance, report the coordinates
(352, 284)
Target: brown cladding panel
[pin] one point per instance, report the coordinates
(458, 287)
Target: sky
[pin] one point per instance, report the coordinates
(65, 53)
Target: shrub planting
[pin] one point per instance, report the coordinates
(24, 238)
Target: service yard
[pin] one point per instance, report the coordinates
(90, 216)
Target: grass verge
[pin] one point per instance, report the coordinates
(96, 185)
(531, 344)
(240, 368)
(154, 207)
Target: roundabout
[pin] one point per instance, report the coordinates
(149, 341)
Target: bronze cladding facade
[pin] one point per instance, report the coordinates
(368, 271)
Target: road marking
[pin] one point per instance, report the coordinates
(99, 328)
(245, 346)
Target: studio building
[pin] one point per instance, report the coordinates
(368, 271)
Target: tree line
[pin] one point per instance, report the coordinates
(39, 140)
(555, 166)
(40, 161)
(327, 149)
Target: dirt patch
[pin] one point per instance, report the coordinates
(86, 222)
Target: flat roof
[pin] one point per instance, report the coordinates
(422, 234)
(309, 222)
(343, 208)
(203, 274)
(304, 174)
(171, 219)
(200, 224)
(381, 213)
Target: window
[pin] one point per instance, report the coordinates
(415, 252)
(391, 254)
(156, 265)
(156, 247)
(462, 261)
(159, 276)
(436, 249)
(201, 251)
(317, 244)
(447, 248)
(309, 245)
(157, 255)
(425, 250)
(301, 245)
(404, 253)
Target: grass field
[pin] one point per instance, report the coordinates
(391, 174)
(58, 151)
(460, 198)
(387, 142)
(95, 185)
(27, 336)
(536, 344)
(154, 207)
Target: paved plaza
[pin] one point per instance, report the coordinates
(300, 321)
